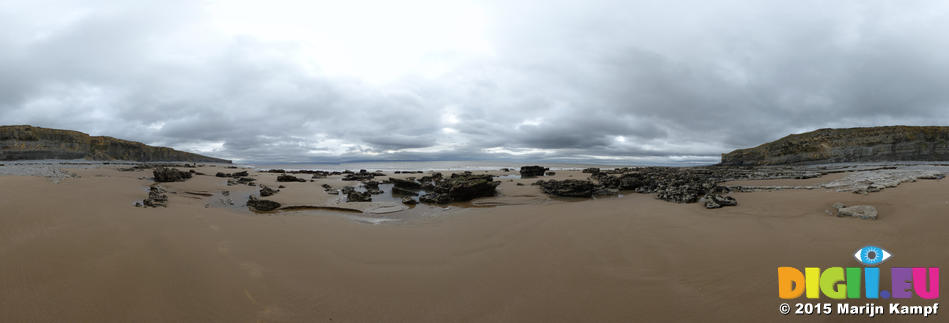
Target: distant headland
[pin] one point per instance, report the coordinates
(27, 142)
(871, 144)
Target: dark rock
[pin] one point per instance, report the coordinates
(267, 191)
(407, 184)
(403, 191)
(261, 205)
(567, 188)
(435, 198)
(240, 174)
(289, 178)
(532, 171)
(591, 170)
(354, 196)
(461, 187)
(163, 174)
(550, 173)
(408, 200)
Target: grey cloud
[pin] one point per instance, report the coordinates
(674, 81)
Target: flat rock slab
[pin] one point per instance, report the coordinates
(858, 211)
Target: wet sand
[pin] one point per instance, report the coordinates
(79, 251)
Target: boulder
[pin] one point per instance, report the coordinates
(408, 200)
(532, 171)
(163, 174)
(591, 170)
(261, 205)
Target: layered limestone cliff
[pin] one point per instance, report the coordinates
(873, 144)
(28, 142)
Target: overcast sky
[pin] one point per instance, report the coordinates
(324, 81)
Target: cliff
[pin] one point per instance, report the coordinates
(892, 143)
(27, 142)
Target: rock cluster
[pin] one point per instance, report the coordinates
(362, 175)
(163, 174)
(679, 185)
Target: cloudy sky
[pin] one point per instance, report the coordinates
(592, 80)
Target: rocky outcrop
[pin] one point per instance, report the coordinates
(874, 144)
(28, 142)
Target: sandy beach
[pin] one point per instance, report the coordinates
(78, 250)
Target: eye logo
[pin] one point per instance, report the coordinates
(872, 255)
